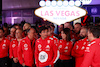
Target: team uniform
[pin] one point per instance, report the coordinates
(74, 37)
(4, 47)
(26, 52)
(54, 39)
(46, 52)
(65, 48)
(13, 51)
(23, 34)
(78, 51)
(92, 54)
(10, 38)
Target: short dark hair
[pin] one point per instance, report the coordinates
(67, 32)
(42, 28)
(78, 23)
(49, 27)
(95, 31)
(2, 29)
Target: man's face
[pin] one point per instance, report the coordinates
(26, 26)
(89, 35)
(18, 33)
(83, 33)
(44, 33)
(12, 31)
(32, 33)
(49, 32)
(1, 33)
(60, 28)
(67, 25)
(77, 28)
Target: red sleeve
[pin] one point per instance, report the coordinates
(75, 50)
(20, 52)
(10, 51)
(88, 56)
(56, 54)
(69, 49)
(36, 54)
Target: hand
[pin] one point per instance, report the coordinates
(15, 60)
(23, 64)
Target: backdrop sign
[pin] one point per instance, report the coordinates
(60, 15)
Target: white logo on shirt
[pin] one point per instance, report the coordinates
(43, 56)
(13, 45)
(3, 46)
(89, 45)
(48, 41)
(60, 46)
(67, 43)
(47, 46)
(84, 43)
(77, 47)
(39, 46)
(66, 50)
(66, 47)
(87, 49)
(83, 48)
(4, 41)
(60, 41)
(25, 46)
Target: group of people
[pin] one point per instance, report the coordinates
(74, 46)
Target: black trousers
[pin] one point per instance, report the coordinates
(3, 62)
(15, 64)
(63, 63)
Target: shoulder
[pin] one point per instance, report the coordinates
(23, 40)
(6, 40)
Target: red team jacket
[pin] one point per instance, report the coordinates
(10, 38)
(78, 51)
(46, 52)
(92, 54)
(65, 49)
(13, 48)
(26, 51)
(55, 39)
(74, 37)
(4, 46)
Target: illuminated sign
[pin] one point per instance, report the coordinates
(60, 15)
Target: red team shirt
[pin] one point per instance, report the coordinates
(54, 39)
(10, 38)
(4, 46)
(13, 48)
(74, 37)
(65, 49)
(26, 51)
(78, 51)
(92, 54)
(46, 52)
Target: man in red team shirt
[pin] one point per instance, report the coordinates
(12, 34)
(46, 52)
(4, 46)
(14, 48)
(77, 28)
(79, 47)
(26, 49)
(92, 52)
(25, 27)
(51, 35)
